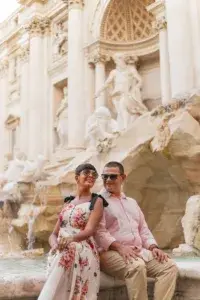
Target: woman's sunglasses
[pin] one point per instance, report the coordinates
(90, 172)
(112, 177)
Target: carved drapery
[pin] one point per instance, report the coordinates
(126, 21)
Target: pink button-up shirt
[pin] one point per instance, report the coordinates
(124, 222)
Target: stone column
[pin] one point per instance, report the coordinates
(100, 77)
(194, 11)
(36, 88)
(89, 85)
(76, 106)
(160, 24)
(3, 101)
(24, 99)
(180, 47)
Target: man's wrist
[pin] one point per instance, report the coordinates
(153, 246)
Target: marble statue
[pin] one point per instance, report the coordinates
(34, 171)
(60, 41)
(126, 84)
(62, 121)
(101, 130)
(191, 228)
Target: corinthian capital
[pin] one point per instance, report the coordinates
(96, 58)
(38, 26)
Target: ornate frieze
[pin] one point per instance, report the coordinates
(38, 26)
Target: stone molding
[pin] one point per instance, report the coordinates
(132, 49)
(38, 26)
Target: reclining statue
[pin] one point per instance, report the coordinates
(191, 229)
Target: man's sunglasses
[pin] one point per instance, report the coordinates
(90, 172)
(112, 177)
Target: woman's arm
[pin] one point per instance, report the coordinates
(94, 219)
(53, 242)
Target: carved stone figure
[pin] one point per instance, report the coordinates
(191, 228)
(62, 121)
(126, 84)
(34, 171)
(60, 41)
(101, 130)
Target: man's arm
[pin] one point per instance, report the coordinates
(148, 240)
(107, 242)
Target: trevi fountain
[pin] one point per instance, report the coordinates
(94, 81)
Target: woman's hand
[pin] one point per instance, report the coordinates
(54, 247)
(64, 242)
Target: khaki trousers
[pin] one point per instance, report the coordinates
(136, 272)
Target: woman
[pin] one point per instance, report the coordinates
(74, 271)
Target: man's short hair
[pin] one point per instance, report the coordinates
(115, 164)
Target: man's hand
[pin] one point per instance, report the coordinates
(159, 255)
(128, 252)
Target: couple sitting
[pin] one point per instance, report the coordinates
(126, 247)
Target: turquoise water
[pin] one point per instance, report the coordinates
(22, 266)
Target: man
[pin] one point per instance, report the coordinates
(132, 253)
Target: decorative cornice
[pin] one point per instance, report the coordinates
(38, 26)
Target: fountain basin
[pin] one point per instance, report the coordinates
(23, 279)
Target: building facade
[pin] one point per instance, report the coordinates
(55, 55)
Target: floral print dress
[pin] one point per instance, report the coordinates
(74, 274)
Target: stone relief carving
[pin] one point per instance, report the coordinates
(61, 124)
(191, 228)
(125, 83)
(22, 170)
(101, 130)
(60, 40)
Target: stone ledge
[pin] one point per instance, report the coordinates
(19, 285)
